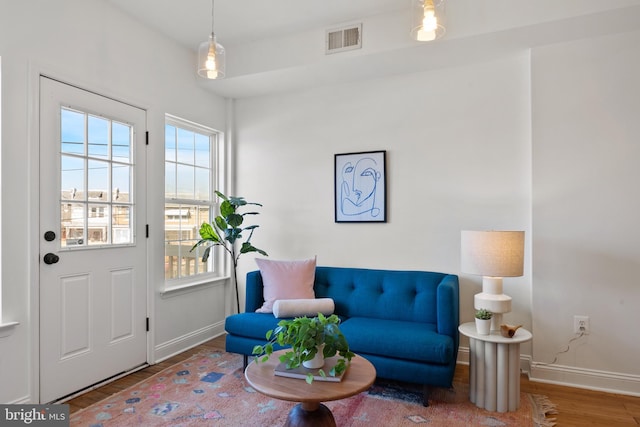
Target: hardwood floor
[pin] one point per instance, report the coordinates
(576, 407)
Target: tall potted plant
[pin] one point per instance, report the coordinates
(226, 230)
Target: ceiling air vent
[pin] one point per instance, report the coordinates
(345, 38)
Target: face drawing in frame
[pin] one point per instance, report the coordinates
(358, 189)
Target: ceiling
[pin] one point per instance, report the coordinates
(239, 22)
(476, 30)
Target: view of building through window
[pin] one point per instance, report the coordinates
(189, 177)
(96, 200)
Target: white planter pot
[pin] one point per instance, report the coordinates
(483, 326)
(317, 361)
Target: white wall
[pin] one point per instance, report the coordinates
(90, 44)
(586, 104)
(546, 143)
(458, 157)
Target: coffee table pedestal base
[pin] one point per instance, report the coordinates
(310, 414)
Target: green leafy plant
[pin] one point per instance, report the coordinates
(305, 335)
(226, 229)
(483, 314)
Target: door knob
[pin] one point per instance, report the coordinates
(51, 258)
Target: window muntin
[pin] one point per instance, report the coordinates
(189, 180)
(96, 166)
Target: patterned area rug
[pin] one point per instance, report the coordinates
(210, 389)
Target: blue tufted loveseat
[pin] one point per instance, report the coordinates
(404, 322)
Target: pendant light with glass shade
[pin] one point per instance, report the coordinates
(211, 56)
(427, 19)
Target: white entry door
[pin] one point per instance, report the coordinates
(93, 291)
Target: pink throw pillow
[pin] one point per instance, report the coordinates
(286, 280)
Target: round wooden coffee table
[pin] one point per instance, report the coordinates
(310, 411)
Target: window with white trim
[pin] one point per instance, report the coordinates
(190, 178)
(1, 258)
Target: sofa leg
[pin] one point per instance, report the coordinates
(425, 396)
(245, 360)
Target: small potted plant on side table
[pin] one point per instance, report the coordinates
(308, 337)
(483, 321)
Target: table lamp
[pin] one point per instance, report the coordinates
(492, 255)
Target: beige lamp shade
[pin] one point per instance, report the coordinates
(492, 253)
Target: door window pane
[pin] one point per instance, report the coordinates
(98, 180)
(121, 224)
(98, 224)
(121, 142)
(121, 182)
(72, 224)
(98, 135)
(72, 178)
(72, 132)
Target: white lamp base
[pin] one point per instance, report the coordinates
(491, 298)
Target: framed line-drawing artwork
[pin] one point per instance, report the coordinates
(360, 187)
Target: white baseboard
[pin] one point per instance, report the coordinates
(610, 382)
(591, 379)
(22, 401)
(178, 345)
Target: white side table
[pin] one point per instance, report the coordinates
(494, 368)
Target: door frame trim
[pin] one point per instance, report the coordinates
(34, 73)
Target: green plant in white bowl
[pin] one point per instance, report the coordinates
(484, 314)
(307, 336)
(483, 321)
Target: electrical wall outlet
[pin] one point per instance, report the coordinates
(581, 324)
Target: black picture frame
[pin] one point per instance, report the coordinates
(360, 186)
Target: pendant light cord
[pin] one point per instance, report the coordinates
(212, 8)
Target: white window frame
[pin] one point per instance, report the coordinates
(217, 161)
(0, 190)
